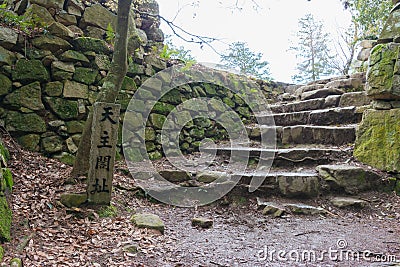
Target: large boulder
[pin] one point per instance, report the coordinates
(28, 96)
(383, 76)
(378, 139)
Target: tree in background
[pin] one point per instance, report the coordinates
(368, 16)
(240, 57)
(312, 50)
(172, 51)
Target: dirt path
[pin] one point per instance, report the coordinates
(47, 234)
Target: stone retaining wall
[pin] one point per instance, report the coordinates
(49, 82)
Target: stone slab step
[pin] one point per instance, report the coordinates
(286, 157)
(345, 100)
(304, 134)
(331, 116)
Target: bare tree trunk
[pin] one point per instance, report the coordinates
(110, 88)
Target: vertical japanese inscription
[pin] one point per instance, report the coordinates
(102, 152)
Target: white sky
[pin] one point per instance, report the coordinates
(267, 30)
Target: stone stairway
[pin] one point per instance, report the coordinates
(315, 134)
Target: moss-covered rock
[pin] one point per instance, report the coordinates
(85, 75)
(378, 139)
(53, 88)
(90, 44)
(75, 90)
(36, 11)
(29, 142)
(6, 85)
(28, 123)
(28, 96)
(73, 56)
(61, 71)
(27, 71)
(157, 120)
(383, 80)
(51, 43)
(64, 109)
(52, 144)
(5, 220)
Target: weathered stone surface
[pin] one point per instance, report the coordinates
(321, 93)
(175, 176)
(52, 144)
(381, 105)
(61, 71)
(99, 16)
(392, 27)
(307, 134)
(75, 90)
(364, 54)
(64, 109)
(27, 71)
(5, 220)
(71, 200)
(95, 32)
(202, 222)
(304, 209)
(28, 123)
(147, 220)
(157, 120)
(331, 101)
(354, 99)
(40, 12)
(210, 176)
(333, 116)
(378, 139)
(351, 179)
(307, 88)
(298, 186)
(57, 4)
(8, 37)
(90, 44)
(53, 88)
(102, 62)
(347, 85)
(5, 85)
(60, 30)
(383, 79)
(6, 57)
(85, 75)
(343, 202)
(52, 43)
(66, 19)
(28, 96)
(29, 142)
(71, 146)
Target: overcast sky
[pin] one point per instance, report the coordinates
(267, 30)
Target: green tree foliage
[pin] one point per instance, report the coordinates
(172, 51)
(368, 16)
(312, 50)
(240, 57)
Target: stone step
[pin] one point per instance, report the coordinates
(305, 134)
(356, 99)
(331, 116)
(283, 157)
